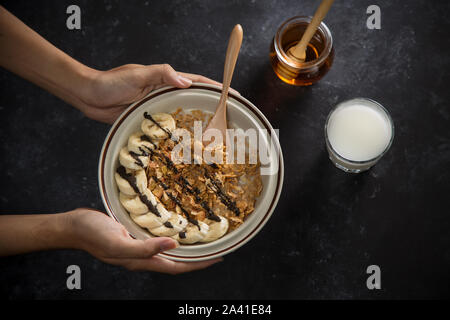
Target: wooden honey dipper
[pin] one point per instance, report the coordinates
(298, 52)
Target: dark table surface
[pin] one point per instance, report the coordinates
(329, 226)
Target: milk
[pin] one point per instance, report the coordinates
(358, 132)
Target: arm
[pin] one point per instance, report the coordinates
(27, 233)
(27, 54)
(91, 231)
(100, 95)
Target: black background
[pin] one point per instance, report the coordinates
(329, 226)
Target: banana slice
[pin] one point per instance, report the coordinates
(125, 186)
(165, 123)
(136, 204)
(133, 160)
(137, 142)
(174, 225)
(150, 220)
(192, 234)
(133, 204)
(216, 229)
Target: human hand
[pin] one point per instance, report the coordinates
(109, 241)
(108, 93)
(100, 95)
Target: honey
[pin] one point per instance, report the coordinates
(319, 53)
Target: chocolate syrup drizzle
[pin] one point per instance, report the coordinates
(169, 134)
(187, 186)
(195, 192)
(168, 224)
(137, 161)
(147, 138)
(171, 166)
(132, 181)
(128, 177)
(149, 205)
(184, 183)
(230, 204)
(177, 202)
(213, 165)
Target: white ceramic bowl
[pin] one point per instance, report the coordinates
(241, 113)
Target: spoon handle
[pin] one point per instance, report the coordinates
(219, 120)
(234, 45)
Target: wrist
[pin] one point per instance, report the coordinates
(41, 232)
(57, 231)
(86, 78)
(65, 229)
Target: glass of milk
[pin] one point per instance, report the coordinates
(358, 133)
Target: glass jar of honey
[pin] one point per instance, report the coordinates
(319, 53)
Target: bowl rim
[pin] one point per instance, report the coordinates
(209, 87)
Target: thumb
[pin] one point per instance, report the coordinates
(165, 74)
(140, 249)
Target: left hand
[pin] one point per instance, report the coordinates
(109, 93)
(109, 241)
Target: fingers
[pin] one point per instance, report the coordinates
(140, 249)
(203, 79)
(176, 267)
(199, 78)
(162, 265)
(164, 74)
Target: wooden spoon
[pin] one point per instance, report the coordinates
(219, 120)
(298, 52)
